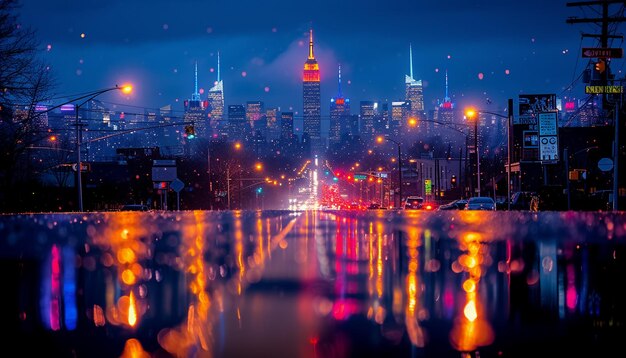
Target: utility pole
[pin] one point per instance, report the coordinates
(605, 74)
(603, 36)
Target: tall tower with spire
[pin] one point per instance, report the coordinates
(414, 90)
(311, 97)
(196, 109)
(339, 114)
(216, 102)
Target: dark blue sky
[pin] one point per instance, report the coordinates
(263, 46)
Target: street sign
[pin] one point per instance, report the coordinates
(360, 176)
(84, 167)
(428, 186)
(177, 185)
(547, 123)
(602, 52)
(605, 164)
(548, 148)
(604, 89)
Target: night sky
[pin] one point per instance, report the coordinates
(492, 49)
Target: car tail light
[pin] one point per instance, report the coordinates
(429, 207)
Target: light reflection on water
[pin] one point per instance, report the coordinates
(313, 284)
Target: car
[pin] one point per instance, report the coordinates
(458, 204)
(480, 203)
(413, 203)
(374, 206)
(135, 207)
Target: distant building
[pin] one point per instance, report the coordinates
(216, 104)
(196, 111)
(399, 113)
(311, 109)
(255, 117)
(367, 111)
(414, 91)
(339, 114)
(236, 121)
(273, 125)
(286, 125)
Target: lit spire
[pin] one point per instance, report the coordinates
(410, 61)
(446, 98)
(218, 66)
(196, 96)
(339, 95)
(311, 57)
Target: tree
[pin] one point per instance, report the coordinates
(25, 81)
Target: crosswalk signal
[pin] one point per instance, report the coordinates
(600, 66)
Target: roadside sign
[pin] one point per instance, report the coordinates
(177, 185)
(360, 176)
(605, 164)
(428, 187)
(548, 148)
(604, 89)
(590, 52)
(547, 123)
(84, 167)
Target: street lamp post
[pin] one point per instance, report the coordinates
(79, 184)
(471, 113)
(379, 140)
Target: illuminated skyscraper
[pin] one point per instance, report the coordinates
(414, 91)
(339, 114)
(311, 111)
(196, 110)
(216, 103)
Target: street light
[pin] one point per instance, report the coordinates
(125, 89)
(472, 115)
(509, 118)
(380, 139)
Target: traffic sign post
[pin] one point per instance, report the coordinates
(177, 185)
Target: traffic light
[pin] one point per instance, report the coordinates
(453, 181)
(259, 190)
(190, 131)
(600, 66)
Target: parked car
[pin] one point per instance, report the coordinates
(454, 205)
(480, 203)
(374, 206)
(413, 203)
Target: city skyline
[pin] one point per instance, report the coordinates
(489, 55)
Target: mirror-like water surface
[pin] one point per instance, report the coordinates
(313, 284)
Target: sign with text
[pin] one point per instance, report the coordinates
(547, 123)
(428, 187)
(548, 136)
(602, 52)
(604, 89)
(548, 148)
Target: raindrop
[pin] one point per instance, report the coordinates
(79, 72)
(436, 70)
(481, 76)
(267, 89)
(507, 72)
(166, 26)
(49, 47)
(244, 73)
(82, 36)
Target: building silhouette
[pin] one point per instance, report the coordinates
(339, 114)
(216, 104)
(311, 104)
(196, 110)
(414, 91)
